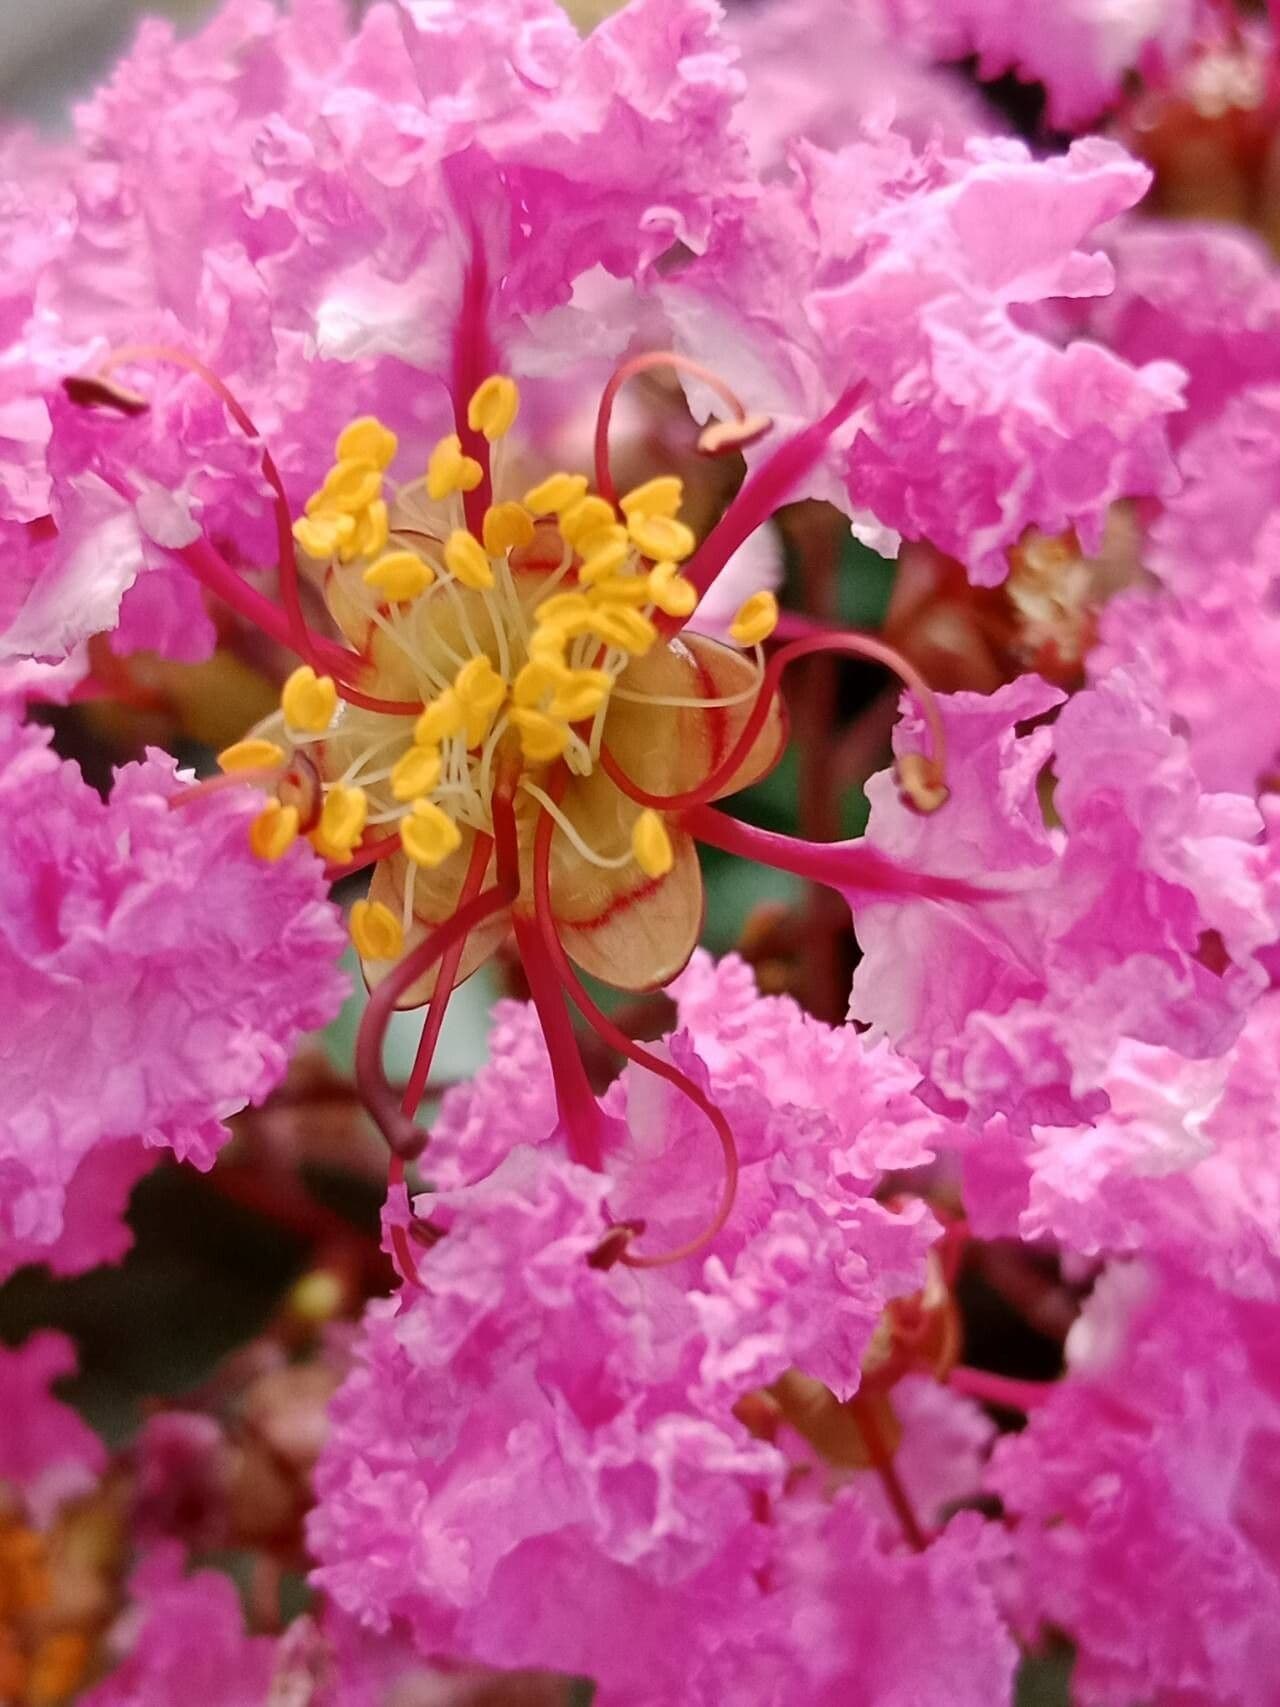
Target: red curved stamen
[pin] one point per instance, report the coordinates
(401, 1250)
(303, 640)
(628, 370)
(576, 1102)
(853, 868)
(633, 1051)
(763, 494)
(847, 645)
(400, 1131)
(1003, 1391)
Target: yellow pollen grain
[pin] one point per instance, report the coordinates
(428, 835)
(467, 561)
(661, 537)
(564, 610)
(603, 554)
(440, 718)
(375, 931)
(584, 519)
(250, 755)
(274, 831)
(651, 844)
(448, 471)
(366, 440)
(369, 535)
(506, 527)
(661, 496)
(556, 492)
(308, 701)
(323, 534)
(342, 821)
(493, 407)
(349, 486)
(671, 592)
(416, 772)
(542, 738)
(401, 575)
(756, 619)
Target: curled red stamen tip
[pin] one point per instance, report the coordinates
(88, 391)
(613, 1247)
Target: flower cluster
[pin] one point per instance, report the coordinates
(444, 379)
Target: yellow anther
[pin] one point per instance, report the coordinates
(481, 690)
(415, 772)
(250, 755)
(567, 611)
(342, 821)
(624, 628)
(366, 440)
(401, 575)
(542, 738)
(585, 518)
(429, 835)
(449, 471)
(348, 487)
(661, 496)
(467, 561)
(603, 555)
(581, 696)
(506, 526)
(324, 534)
(540, 676)
(661, 537)
(274, 831)
(671, 592)
(556, 492)
(376, 931)
(651, 844)
(632, 590)
(756, 619)
(547, 645)
(369, 534)
(308, 701)
(440, 718)
(493, 407)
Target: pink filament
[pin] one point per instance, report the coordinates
(473, 362)
(847, 645)
(633, 1051)
(628, 370)
(766, 490)
(850, 867)
(1000, 1390)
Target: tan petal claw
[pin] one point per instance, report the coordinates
(633, 932)
(435, 899)
(668, 749)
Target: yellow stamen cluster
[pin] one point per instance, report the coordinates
(347, 517)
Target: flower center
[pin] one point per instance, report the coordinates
(509, 647)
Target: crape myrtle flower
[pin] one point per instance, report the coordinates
(542, 1446)
(519, 729)
(158, 974)
(895, 268)
(1141, 1495)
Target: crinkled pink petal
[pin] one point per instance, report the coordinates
(46, 1451)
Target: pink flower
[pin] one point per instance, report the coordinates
(534, 1450)
(183, 1639)
(880, 265)
(158, 976)
(1143, 1496)
(46, 1452)
(1081, 51)
(304, 208)
(1015, 1007)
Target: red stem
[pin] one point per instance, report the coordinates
(1003, 1391)
(473, 362)
(416, 1087)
